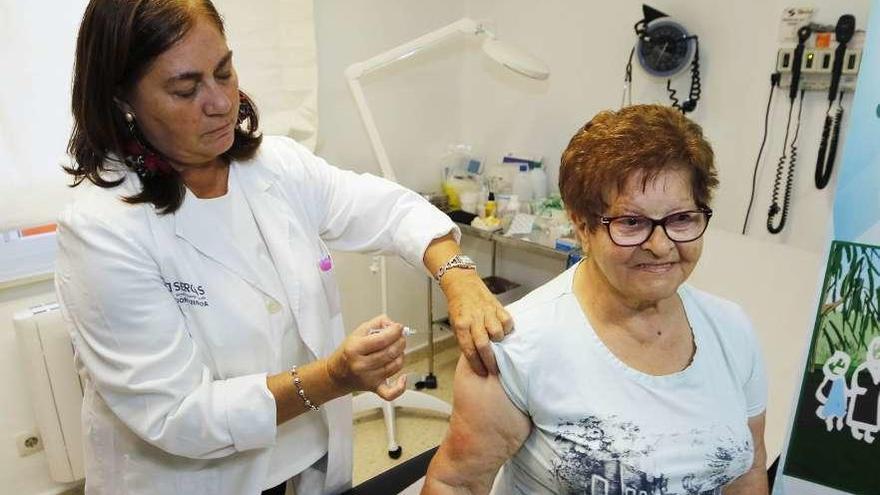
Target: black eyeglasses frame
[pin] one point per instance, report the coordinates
(606, 221)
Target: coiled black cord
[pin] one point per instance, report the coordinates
(690, 104)
(675, 102)
(696, 86)
(780, 168)
(835, 137)
(775, 209)
(626, 99)
(774, 82)
(825, 162)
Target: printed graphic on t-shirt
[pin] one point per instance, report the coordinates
(607, 456)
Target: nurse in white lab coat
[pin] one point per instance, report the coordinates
(194, 270)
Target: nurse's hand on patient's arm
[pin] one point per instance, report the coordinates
(485, 430)
(475, 313)
(363, 362)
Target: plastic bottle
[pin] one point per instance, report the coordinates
(490, 205)
(538, 178)
(522, 186)
(511, 208)
(481, 200)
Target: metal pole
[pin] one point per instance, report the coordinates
(430, 326)
(494, 254)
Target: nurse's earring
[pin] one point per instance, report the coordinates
(244, 108)
(141, 158)
(247, 114)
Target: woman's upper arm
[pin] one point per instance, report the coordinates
(756, 427)
(485, 430)
(754, 481)
(753, 369)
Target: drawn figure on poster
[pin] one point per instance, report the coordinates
(833, 392)
(864, 411)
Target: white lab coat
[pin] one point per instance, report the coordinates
(171, 329)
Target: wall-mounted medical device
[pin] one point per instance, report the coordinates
(818, 64)
(845, 59)
(778, 213)
(823, 58)
(664, 49)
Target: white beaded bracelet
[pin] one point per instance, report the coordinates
(297, 382)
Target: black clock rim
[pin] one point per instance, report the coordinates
(653, 25)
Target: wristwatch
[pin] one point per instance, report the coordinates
(457, 261)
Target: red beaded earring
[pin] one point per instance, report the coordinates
(141, 158)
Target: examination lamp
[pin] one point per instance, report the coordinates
(506, 55)
(516, 60)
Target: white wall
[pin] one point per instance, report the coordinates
(35, 118)
(416, 102)
(586, 44)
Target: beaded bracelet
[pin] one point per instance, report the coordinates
(297, 382)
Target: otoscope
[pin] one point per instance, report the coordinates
(843, 33)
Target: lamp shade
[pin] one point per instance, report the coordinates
(515, 59)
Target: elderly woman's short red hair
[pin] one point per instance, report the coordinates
(617, 145)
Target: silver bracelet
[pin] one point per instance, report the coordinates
(297, 382)
(457, 261)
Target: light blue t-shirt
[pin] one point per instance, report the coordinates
(601, 427)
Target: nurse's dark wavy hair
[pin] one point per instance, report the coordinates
(118, 41)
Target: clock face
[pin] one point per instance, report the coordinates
(665, 51)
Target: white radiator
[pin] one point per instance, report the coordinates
(55, 388)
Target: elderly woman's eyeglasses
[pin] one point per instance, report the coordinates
(633, 230)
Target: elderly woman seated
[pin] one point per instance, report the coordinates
(619, 378)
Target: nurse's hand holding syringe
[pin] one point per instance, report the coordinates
(370, 356)
(364, 361)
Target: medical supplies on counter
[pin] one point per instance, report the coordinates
(510, 195)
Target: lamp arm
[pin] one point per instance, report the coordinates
(355, 71)
(464, 25)
(360, 101)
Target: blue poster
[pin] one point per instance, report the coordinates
(834, 441)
